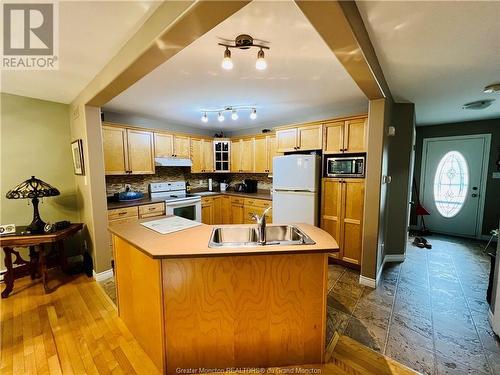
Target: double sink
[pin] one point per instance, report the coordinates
(284, 235)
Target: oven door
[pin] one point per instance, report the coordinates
(187, 209)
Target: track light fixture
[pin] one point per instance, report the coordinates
(232, 109)
(243, 42)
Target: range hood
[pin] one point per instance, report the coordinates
(173, 162)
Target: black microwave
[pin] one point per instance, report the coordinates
(345, 166)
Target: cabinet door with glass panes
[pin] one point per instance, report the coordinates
(222, 155)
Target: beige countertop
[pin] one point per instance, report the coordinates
(193, 242)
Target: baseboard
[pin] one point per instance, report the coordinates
(495, 325)
(394, 258)
(366, 281)
(103, 275)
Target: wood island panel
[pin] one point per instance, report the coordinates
(263, 310)
(138, 286)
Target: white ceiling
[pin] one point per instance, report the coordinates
(437, 54)
(304, 81)
(90, 34)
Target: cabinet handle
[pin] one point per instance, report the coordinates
(151, 208)
(121, 213)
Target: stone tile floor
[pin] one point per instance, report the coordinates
(428, 312)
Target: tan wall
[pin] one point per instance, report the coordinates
(401, 171)
(375, 197)
(35, 140)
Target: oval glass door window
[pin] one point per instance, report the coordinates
(451, 183)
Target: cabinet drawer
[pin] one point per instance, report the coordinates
(122, 213)
(148, 210)
(207, 200)
(236, 200)
(257, 202)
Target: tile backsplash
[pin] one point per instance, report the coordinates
(116, 184)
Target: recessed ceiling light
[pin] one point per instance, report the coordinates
(478, 104)
(495, 87)
(234, 115)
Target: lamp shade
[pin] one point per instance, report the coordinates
(32, 188)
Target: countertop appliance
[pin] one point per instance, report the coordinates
(177, 201)
(345, 166)
(296, 188)
(250, 186)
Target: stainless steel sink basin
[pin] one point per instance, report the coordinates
(248, 236)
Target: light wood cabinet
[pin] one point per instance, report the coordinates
(164, 145)
(208, 155)
(242, 155)
(207, 210)
(202, 155)
(272, 151)
(237, 210)
(256, 207)
(264, 150)
(286, 140)
(345, 136)
(342, 215)
(182, 146)
(151, 210)
(127, 151)
(217, 210)
(115, 150)
(140, 152)
(226, 210)
(299, 138)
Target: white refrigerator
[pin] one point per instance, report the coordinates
(295, 189)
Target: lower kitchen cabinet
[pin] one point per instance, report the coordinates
(237, 210)
(226, 209)
(207, 210)
(342, 215)
(256, 207)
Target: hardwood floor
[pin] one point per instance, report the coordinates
(76, 330)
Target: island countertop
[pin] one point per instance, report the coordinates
(193, 242)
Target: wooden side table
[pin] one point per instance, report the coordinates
(37, 265)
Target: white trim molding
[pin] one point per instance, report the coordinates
(366, 281)
(103, 275)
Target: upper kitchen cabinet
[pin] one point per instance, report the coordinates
(303, 138)
(127, 151)
(286, 140)
(115, 150)
(140, 152)
(182, 147)
(242, 155)
(164, 145)
(202, 155)
(265, 150)
(222, 155)
(345, 136)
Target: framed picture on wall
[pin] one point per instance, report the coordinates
(77, 152)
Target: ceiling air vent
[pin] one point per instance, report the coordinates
(478, 104)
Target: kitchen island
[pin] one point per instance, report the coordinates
(192, 306)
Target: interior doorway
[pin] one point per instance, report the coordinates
(453, 183)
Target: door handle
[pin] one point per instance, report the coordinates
(474, 195)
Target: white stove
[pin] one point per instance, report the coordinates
(177, 201)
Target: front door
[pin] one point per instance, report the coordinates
(453, 175)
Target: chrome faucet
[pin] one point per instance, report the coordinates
(261, 225)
